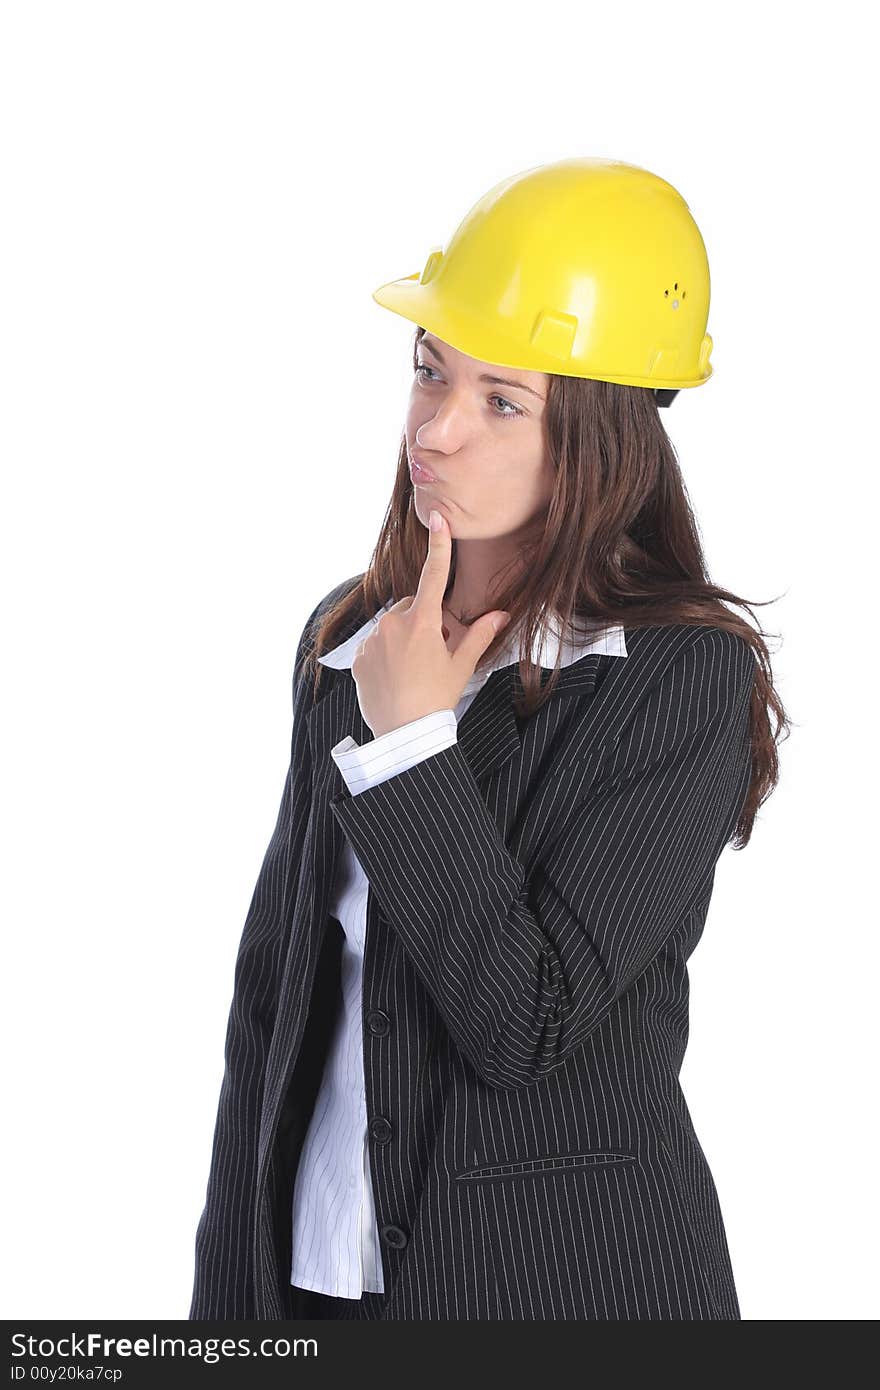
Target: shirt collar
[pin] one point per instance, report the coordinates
(610, 641)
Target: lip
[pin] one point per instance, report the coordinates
(419, 474)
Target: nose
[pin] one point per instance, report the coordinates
(449, 418)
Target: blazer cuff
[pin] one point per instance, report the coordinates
(367, 765)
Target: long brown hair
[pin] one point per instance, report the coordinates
(618, 544)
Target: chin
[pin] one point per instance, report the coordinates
(427, 505)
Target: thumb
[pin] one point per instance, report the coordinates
(480, 635)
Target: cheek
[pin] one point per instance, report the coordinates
(514, 474)
(512, 495)
(547, 480)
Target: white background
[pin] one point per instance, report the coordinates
(201, 412)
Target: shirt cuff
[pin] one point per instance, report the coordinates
(365, 765)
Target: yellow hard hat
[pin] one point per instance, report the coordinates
(585, 267)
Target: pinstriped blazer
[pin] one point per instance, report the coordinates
(525, 996)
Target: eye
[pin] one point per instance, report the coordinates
(510, 414)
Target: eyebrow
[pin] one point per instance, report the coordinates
(495, 380)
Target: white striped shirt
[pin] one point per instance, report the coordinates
(335, 1235)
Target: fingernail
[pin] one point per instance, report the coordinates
(502, 622)
(434, 519)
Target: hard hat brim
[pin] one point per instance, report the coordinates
(486, 341)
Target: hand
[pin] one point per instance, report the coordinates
(404, 669)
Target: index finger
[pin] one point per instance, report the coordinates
(435, 571)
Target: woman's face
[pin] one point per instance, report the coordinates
(482, 441)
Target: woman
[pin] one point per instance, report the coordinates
(460, 1005)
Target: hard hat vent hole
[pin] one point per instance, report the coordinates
(675, 302)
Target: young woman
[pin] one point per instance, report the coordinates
(461, 996)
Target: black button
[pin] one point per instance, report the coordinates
(378, 1022)
(394, 1236)
(380, 1129)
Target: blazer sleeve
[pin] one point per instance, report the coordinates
(223, 1263)
(523, 968)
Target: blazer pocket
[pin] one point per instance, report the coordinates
(538, 1167)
